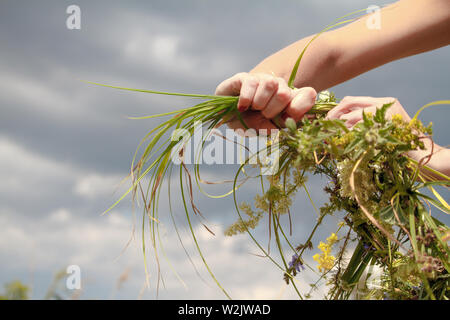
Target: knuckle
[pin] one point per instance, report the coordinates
(283, 95)
(280, 80)
(270, 84)
(346, 99)
(392, 99)
(251, 82)
(240, 74)
(244, 101)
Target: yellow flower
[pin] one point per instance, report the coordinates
(325, 262)
(332, 239)
(324, 259)
(397, 118)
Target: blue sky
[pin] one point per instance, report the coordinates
(65, 146)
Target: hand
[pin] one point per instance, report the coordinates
(262, 97)
(350, 109)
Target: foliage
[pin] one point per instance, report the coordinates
(376, 185)
(15, 290)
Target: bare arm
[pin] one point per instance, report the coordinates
(434, 156)
(408, 27)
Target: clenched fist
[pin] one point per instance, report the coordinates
(262, 97)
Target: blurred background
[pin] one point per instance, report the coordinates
(65, 145)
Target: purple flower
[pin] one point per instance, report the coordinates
(296, 263)
(368, 246)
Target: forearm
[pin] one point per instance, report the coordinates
(407, 28)
(441, 161)
(316, 68)
(434, 157)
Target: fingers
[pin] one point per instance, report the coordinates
(247, 93)
(253, 119)
(267, 94)
(304, 99)
(354, 117)
(231, 86)
(279, 100)
(349, 104)
(268, 86)
(350, 109)
(257, 91)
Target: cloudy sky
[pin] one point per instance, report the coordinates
(65, 146)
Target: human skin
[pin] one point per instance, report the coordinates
(350, 109)
(409, 27)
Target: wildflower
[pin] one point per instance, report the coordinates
(241, 225)
(397, 118)
(261, 203)
(296, 264)
(325, 262)
(332, 239)
(324, 259)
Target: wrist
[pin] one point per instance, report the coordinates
(434, 157)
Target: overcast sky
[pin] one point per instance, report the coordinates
(65, 146)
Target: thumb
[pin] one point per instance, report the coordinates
(304, 99)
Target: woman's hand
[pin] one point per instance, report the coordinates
(262, 97)
(350, 109)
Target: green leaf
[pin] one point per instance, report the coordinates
(290, 124)
(352, 145)
(367, 122)
(380, 114)
(434, 202)
(387, 215)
